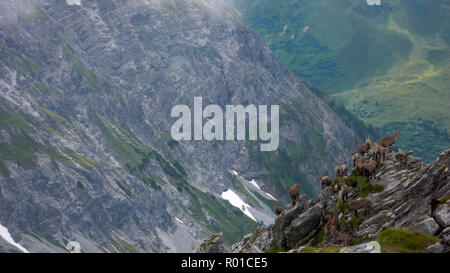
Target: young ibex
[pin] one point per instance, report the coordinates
(294, 191)
(341, 171)
(360, 203)
(355, 156)
(278, 210)
(342, 237)
(384, 152)
(370, 168)
(344, 191)
(361, 147)
(402, 155)
(360, 166)
(390, 140)
(332, 223)
(325, 180)
(375, 147)
(338, 170)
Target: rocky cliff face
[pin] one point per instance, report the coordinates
(86, 156)
(409, 212)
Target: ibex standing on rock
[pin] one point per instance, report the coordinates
(294, 191)
(278, 210)
(370, 167)
(332, 223)
(325, 180)
(342, 237)
(344, 191)
(375, 147)
(390, 140)
(402, 155)
(338, 170)
(360, 203)
(362, 148)
(359, 166)
(341, 171)
(355, 156)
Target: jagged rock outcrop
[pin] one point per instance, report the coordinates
(284, 220)
(260, 240)
(415, 197)
(212, 244)
(304, 227)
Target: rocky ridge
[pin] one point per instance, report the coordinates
(414, 200)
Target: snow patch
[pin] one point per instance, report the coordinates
(236, 201)
(268, 194)
(73, 247)
(254, 184)
(4, 233)
(74, 2)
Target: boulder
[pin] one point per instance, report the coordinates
(427, 226)
(213, 244)
(303, 228)
(370, 247)
(285, 218)
(442, 215)
(254, 243)
(327, 198)
(436, 248)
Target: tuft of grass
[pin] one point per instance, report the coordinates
(52, 115)
(445, 199)
(274, 249)
(401, 240)
(85, 162)
(365, 187)
(80, 185)
(311, 249)
(319, 237)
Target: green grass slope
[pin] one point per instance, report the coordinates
(388, 64)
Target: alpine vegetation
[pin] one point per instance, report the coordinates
(235, 117)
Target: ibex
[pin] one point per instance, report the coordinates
(325, 180)
(370, 167)
(344, 191)
(338, 170)
(384, 152)
(342, 237)
(360, 203)
(355, 156)
(341, 171)
(332, 223)
(390, 140)
(294, 191)
(376, 149)
(361, 147)
(278, 210)
(360, 166)
(402, 155)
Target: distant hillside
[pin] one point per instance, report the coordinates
(388, 64)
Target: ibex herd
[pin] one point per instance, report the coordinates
(378, 151)
(365, 163)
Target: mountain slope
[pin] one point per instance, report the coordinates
(86, 154)
(388, 64)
